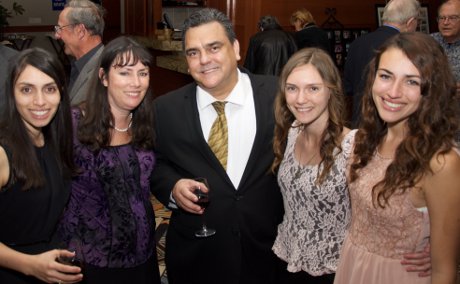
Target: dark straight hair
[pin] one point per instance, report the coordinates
(94, 128)
(24, 164)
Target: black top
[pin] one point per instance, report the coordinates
(31, 216)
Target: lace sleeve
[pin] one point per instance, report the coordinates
(348, 143)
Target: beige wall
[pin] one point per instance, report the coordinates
(37, 12)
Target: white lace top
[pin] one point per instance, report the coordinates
(316, 216)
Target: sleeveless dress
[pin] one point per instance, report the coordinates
(110, 221)
(378, 237)
(316, 216)
(28, 218)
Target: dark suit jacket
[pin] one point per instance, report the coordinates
(361, 52)
(246, 219)
(82, 85)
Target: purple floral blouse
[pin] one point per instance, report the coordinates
(109, 220)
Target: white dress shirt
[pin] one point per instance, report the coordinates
(241, 124)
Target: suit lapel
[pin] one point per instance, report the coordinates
(85, 74)
(262, 115)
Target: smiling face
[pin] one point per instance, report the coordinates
(307, 96)
(397, 87)
(126, 86)
(37, 98)
(212, 58)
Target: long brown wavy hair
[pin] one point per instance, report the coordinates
(284, 118)
(431, 128)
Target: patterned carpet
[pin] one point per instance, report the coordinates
(162, 216)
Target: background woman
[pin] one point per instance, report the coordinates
(110, 220)
(35, 170)
(404, 176)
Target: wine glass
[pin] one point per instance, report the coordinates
(203, 201)
(75, 246)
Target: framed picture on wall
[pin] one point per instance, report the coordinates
(423, 22)
(340, 40)
(379, 10)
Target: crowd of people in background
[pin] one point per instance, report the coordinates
(294, 191)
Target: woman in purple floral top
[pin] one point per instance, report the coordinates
(109, 221)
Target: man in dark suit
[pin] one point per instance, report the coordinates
(246, 204)
(5, 54)
(398, 16)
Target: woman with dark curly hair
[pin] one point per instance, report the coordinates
(404, 177)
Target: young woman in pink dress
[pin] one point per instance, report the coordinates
(404, 177)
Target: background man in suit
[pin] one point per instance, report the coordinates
(5, 54)
(398, 16)
(80, 26)
(270, 48)
(246, 204)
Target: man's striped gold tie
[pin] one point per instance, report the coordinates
(218, 137)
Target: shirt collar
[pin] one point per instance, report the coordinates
(237, 96)
(390, 26)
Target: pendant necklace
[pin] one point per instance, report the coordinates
(129, 125)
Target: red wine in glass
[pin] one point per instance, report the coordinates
(203, 198)
(203, 201)
(78, 258)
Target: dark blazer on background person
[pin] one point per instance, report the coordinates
(5, 54)
(359, 55)
(245, 219)
(82, 84)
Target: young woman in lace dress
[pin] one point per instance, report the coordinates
(404, 177)
(109, 220)
(311, 148)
